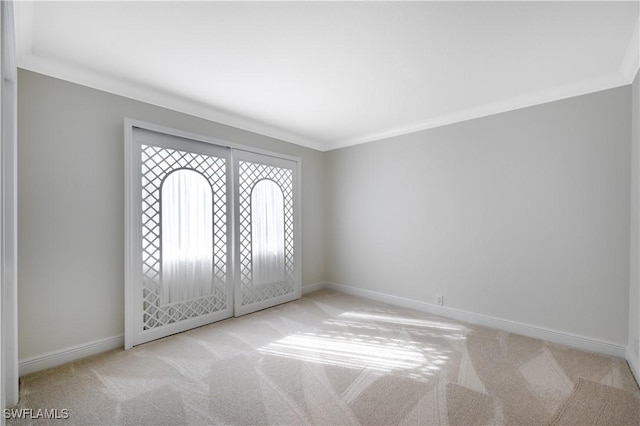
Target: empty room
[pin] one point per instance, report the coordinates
(331, 213)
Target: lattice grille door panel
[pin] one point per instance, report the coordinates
(252, 169)
(157, 164)
(153, 158)
(235, 280)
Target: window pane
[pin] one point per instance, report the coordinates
(267, 233)
(187, 237)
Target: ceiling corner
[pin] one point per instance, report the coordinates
(23, 20)
(631, 61)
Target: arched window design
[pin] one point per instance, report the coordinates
(187, 236)
(267, 233)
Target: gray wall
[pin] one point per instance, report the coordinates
(634, 288)
(71, 171)
(522, 215)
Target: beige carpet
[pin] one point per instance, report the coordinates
(593, 403)
(333, 359)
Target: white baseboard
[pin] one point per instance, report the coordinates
(634, 364)
(306, 289)
(74, 353)
(554, 336)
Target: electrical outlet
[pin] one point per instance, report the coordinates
(439, 300)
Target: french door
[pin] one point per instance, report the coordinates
(212, 232)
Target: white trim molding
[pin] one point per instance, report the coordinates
(310, 288)
(541, 97)
(73, 353)
(549, 335)
(160, 98)
(8, 212)
(634, 364)
(184, 105)
(165, 98)
(631, 61)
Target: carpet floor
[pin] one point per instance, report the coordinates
(334, 359)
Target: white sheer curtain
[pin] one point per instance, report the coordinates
(267, 233)
(187, 237)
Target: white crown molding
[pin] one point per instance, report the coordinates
(153, 96)
(97, 80)
(180, 104)
(549, 335)
(537, 98)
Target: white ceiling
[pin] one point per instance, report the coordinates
(332, 74)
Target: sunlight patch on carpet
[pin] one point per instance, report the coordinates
(355, 344)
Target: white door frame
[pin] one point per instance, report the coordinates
(132, 217)
(8, 211)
